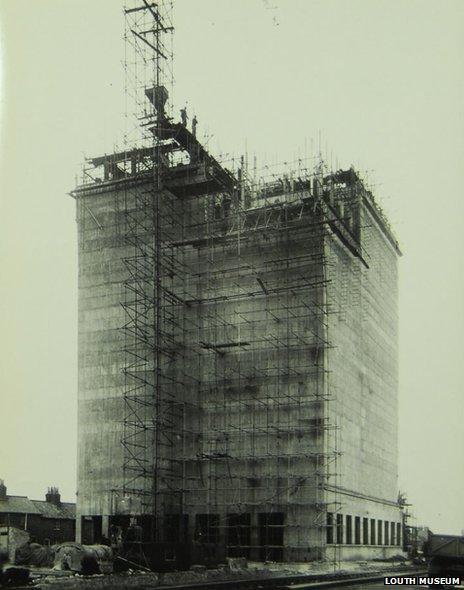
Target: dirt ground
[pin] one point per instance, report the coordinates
(52, 580)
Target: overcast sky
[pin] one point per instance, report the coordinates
(380, 81)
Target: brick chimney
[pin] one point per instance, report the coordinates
(2, 490)
(53, 496)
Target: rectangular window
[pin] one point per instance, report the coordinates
(398, 534)
(365, 531)
(330, 529)
(357, 530)
(373, 531)
(238, 535)
(271, 535)
(349, 530)
(175, 528)
(392, 533)
(379, 532)
(339, 529)
(385, 534)
(207, 528)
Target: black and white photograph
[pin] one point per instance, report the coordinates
(231, 297)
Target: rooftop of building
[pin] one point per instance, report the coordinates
(189, 170)
(51, 507)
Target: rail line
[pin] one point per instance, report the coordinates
(293, 582)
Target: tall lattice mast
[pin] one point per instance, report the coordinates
(148, 423)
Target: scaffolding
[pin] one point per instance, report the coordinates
(230, 425)
(152, 473)
(231, 420)
(266, 456)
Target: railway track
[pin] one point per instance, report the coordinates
(287, 582)
(294, 582)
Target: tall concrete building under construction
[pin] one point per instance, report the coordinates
(237, 349)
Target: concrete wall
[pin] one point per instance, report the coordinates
(261, 391)
(101, 358)
(363, 365)
(261, 401)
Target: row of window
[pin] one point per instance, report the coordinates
(238, 533)
(349, 530)
(238, 528)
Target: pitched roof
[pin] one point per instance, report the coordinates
(22, 505)
(49, 510)
(17, 504)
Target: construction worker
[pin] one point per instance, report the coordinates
(133, 542)
(183, 116)
(194, 125)
(4, 557)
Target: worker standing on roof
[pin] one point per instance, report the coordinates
(183, 116)
(194, 125)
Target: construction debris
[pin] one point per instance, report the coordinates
(85, 559)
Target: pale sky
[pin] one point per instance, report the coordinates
(380, 81)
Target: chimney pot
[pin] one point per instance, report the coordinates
(53, 496)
